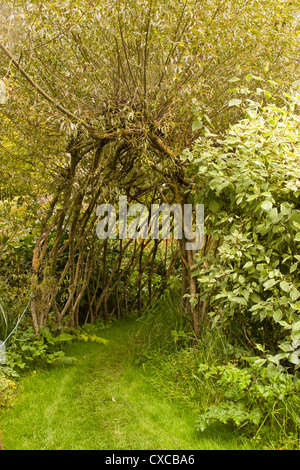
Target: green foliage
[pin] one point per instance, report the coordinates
(221, 382)
(247, 273)
(30, 351)
(18, 229)
(27, 351)
(249, 183)
(164, 327)
(7, 386)
(264, 401)
(87, 333)
(130, 99)
(165, 343)
(3, 319)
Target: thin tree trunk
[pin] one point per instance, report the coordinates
(141, 271)
(104, 278)
(160, 289)
(193, 295)
(185, 276)
(110, 279)
(151, 270)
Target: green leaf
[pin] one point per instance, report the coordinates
(64, 337)
(240, 300)
(293, 267)
(294, 358)
(286, 208)
(84, 337)
(285, 286)
(277, 315)
(286, 347)
(294, 293)
(254, 77)
(213, 206)
(232, 139)
(197, 125)
(270, 283)
(255, 297)
(234, 79)
(266, 206)
(267, 94)
(295, 335)
(297, 237)
(98, 339)
(234, 102)
(248, 265)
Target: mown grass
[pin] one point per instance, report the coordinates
(104, 402)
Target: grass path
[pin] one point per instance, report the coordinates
(103, 402)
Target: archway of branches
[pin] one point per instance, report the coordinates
(78, 277)
(114, 92)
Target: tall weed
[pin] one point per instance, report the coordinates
(164, 327)
(166, 344)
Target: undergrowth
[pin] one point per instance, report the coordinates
(219, 380)
(27, 352)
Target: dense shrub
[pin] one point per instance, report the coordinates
(244, 369)
(249, 182)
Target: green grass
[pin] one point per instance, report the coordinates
(104, 402)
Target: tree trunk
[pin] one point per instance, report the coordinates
(193, 295)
